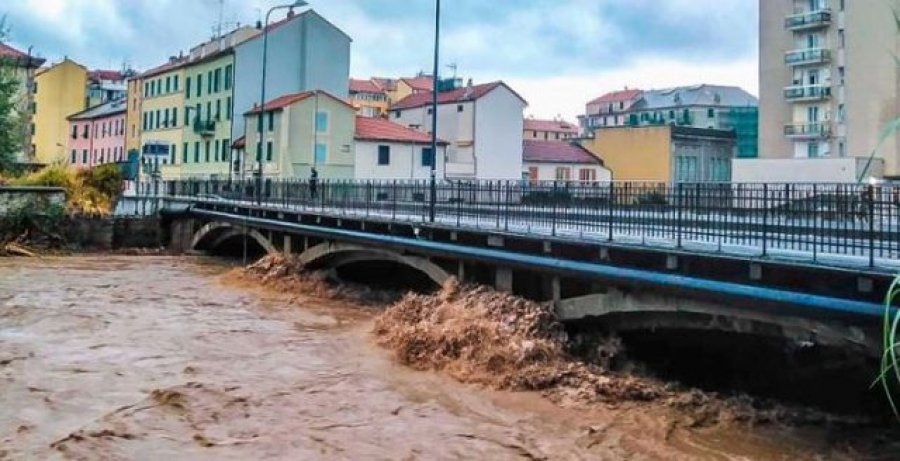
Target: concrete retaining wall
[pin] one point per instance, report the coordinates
(114, 233)
(15, 197)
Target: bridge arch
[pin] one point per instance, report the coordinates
(212, 235)
(335, 255)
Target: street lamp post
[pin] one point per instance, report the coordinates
(262, 96)
(434, 108)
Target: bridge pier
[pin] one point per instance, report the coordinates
(287, 245)
(182, 235)
(503, 280)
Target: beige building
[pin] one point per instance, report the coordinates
(828, 84)
(549, 130)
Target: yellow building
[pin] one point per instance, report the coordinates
(60, 91)
(133, 116)
(301, 131)
(369, 98)
(664, 153)
(161, 115)
(408, 86)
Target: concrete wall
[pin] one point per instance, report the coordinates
(454, 126)
(15, 198)
(305, 53)
(634, 153)
(809, 170)
(406, 161)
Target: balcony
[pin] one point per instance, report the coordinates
(205, 128)
(800, 93)
(807, 56)
(808, 20)
(812, 130)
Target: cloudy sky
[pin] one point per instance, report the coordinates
(557, 53)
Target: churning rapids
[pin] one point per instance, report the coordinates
(120, 357)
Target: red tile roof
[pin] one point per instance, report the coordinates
(424, 83)
(617, 96)
(112, 75)
(553, 126)
(11, 53)
(364, 86)
(451, 97)
(557, 152)
(379, 129)
(281, 102)
(387, 84)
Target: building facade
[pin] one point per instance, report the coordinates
(134, 115)
(369, 99)
(483, 125)
(24, 67)
(300, 131)
(106, 85)
(305, 53)
(162, 116)
(388, 151)
(561, 161)
(548, 130)
(60, 91)
(97, 135)
(610, 109)
(664, 153)
(829, 81)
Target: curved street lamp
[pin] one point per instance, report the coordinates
(262, 96)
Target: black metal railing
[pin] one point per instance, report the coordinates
(806, 221)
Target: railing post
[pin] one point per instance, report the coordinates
(765, 223)
(680, 209)
(553, 198)
(610, 203)
(458, 202)
(815, 223)
(871, 199)
(506, 213)
(394, 200)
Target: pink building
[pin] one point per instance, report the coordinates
(97, 135)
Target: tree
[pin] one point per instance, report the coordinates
(11, 120)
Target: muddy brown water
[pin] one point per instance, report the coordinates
(122, 357)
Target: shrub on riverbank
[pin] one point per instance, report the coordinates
(91, 191)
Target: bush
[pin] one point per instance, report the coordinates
(90, 191)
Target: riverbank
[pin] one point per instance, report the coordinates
(115, 357)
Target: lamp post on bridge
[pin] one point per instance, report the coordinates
(262, 96)
(434, 109)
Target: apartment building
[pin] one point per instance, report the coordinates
(162, 109)
(24, 67)
(60, 91)
(548, 130)
(610, 109)
(829, 83)
(483, 124)
(107, 85)
(369, 98)
(97, 135)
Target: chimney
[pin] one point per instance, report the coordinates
(259, 25)
(173, 59)
(290, 13)
(469, 88)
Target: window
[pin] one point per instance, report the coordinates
(533, 174)
(321, 122)
(184, 153)
(225, 151)
(146, 89)
(209, 110)
(228, 108)
(158, 118)
(196, 151)
(209, 82)
(228, 71)
(175, 87)
(217, 80)
(216, 151)
(218, 109)
(206, 148)
(842, 149)
(430, 111)
(841, 113)
(173, 154)
(384, 155)
(168, 84)
(397, 114)
(187, 88)
(427, 157)
(812, 150)
(74, 156)
(269, 151)
(174, 118)
(563, 174)
(321, 153)
(460, 108)
(258, 151)
(74, 132)
(271, 121)
(199, 85)
(710, 113)
(587, 174)
(84, 156)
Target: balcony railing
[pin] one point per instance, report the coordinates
(808, 20)
(807, 56)
(808, 130)
(807, 92)
(205, 127)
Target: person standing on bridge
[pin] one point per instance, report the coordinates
(313, 182)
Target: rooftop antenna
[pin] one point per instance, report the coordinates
(220, 23)
(452, 66)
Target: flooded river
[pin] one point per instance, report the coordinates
(118, 357)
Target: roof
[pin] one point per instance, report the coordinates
(617, 96)
(364, 86)
(173, 64)
(281, 102)
(387, 84)
(99, 74)
(379, 129)
(697, 95)
(17, 56)
(557, 152)
(420, 83)
(458, 95)
(561, 126)
(107, 109)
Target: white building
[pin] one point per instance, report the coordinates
(483, 125)
(386, 150)
(561, 161)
